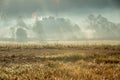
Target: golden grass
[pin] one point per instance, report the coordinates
(59, 61)
(60, 44)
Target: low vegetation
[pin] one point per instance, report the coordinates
(59, 62)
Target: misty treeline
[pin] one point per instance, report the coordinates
(104, 29)
(54, 28)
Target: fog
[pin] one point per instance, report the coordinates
(59, 20)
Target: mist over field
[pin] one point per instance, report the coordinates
(59, 20)
(59, 39)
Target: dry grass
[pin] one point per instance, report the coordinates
(59, 61)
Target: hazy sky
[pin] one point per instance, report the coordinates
(76, 10)
(57, 7)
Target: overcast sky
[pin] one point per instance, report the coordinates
(76, 10)
(60, 7)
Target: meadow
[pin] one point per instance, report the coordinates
(80, 60)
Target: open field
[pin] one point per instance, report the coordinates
(60, 61)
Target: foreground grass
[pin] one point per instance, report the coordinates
(55, 70)
(59, 62)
